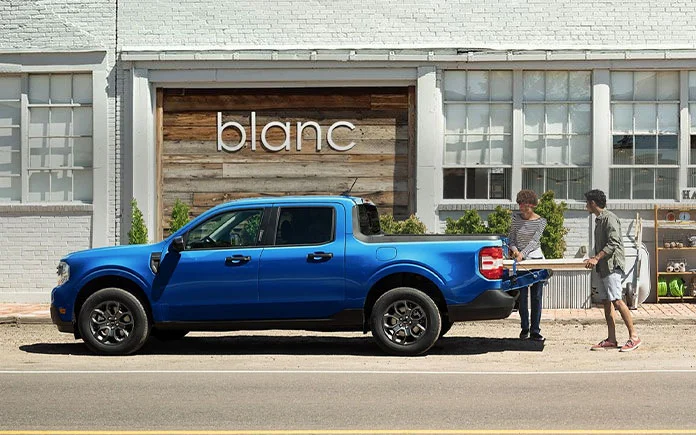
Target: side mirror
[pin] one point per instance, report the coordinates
(177, 244)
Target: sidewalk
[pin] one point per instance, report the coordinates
(671, 313)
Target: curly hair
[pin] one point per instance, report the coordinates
(598, 197)
(526, 196)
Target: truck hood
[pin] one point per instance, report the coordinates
(110, 251)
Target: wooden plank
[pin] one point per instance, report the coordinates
(324, 118)
(194, 170)
(412, 149)
(389, 101)
(231, 158)
(553, 264)
(208, 199)
(295, 186)
(275, 136)
(365, 146)
(257, 101)
(288, 169)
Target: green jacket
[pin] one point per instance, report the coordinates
(607, 235)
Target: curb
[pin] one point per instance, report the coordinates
(25, 320)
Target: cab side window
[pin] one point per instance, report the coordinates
(305, 226)
(231, 229)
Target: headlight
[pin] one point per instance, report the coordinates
(63, 272)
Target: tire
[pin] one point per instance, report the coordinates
(420, 327)
(113, 322)
(446, 326)
(168, 334)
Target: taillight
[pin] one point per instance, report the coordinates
(491, 262)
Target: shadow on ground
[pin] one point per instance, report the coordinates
(295, 345)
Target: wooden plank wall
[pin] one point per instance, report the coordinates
(382, 160)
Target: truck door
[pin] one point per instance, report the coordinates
(302, 273)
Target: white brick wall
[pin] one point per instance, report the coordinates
(459, 23)
(32, 245)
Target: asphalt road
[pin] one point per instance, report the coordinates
(477, 378)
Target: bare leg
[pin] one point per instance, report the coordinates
(609, 316)
(622, 308)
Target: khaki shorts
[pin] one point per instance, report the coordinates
(609, 288)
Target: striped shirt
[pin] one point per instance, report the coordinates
(525, 235)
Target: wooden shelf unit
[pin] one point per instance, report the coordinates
(668, 230)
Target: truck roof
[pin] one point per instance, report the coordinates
(302, 199)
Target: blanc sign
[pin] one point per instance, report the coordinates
(222, 146)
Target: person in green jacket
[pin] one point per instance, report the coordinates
(610, 263)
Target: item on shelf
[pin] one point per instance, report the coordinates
(673, 244)
(671, 217)
(676, 265)
(676, 287)
(692, 241)
(680, 245)
(662, 287)
(666, 245)
(684, 216)
(692, 287)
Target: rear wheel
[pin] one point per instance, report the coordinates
(405, 321)
(113, 322)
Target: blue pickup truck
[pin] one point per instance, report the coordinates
(312, 263)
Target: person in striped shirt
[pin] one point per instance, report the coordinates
(525, 243)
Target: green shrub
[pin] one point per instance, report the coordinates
(553, 240)
(138, 232)
(251, 230)
(469, 223)
(412, 225)
(499, 221)
(180, 216)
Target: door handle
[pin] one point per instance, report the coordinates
(237, 259)
(319, 256)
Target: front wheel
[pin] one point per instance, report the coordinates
(405, 322)
(113, 322)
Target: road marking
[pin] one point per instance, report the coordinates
(352, 432)
(344, 372)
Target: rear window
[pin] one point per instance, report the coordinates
(369, 219)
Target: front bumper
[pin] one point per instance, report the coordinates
(62, 325)
(489, 305)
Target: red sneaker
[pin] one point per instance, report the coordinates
(630, 345)
(604, 345)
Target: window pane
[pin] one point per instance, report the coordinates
(61, 91)
(580, 119)
(667, 150)
(668, 118)
(501, 118)
(691, 177)
(226, 230)
(61, 185)
(644, 86)
(668, 85)
(61, 153)
(556, 118)
(60, 121)
(620, 186)
(455, 118)
(580, 85)
(500, 183)
(10, 88)
(301, 226)
(622, 86)
(533, 150)
(692, 113)
(578, 183)
(477, 183)
(10, 189)
(556, 150)
(39, 153)
(692, 86)
(533, 179)
(38, 122)
(82, 88)
(557, 85)
(83, 186)
(580, 150)
(622, 118)
(646, 118)
(39, 186)
(557, 180)
(646, 150)
(666, 184)
(501, 85)
(534, 119)
(9, 139)
(38, 88)
(623, 150)
(477, 115)
(10, 163)
(477, 150)
(9, 114)
(455, 146)
(643, 183)
(453, 183)
(692, 151)
(82, 121)
(533, 86)
(477, 85)
(455, 85)
(501, 150)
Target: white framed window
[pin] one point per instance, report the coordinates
(645, 134)
(557, 155)
(478, 134)
(691, 178)
(48, 159)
